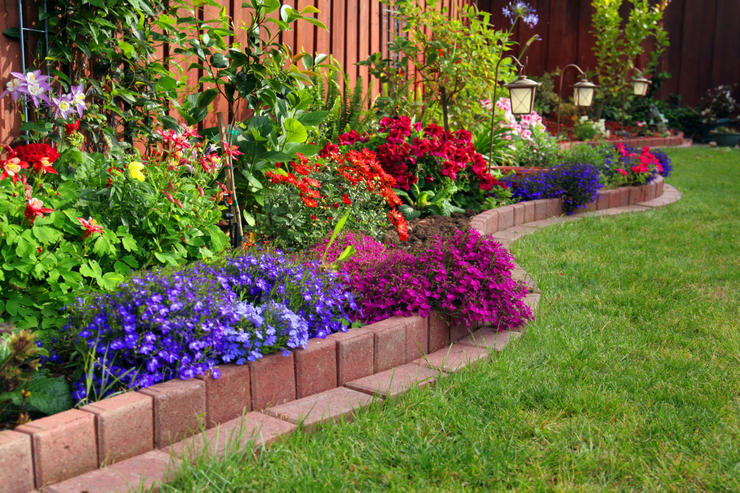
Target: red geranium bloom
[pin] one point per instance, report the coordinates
(39, 155)
(71, 128)
(91, 226)
(35, 208)
(12, 168)
(346, 199)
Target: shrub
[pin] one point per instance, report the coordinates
(466, 277)
(309, 195)
(576, 183)
(435, 171)
(162, 325)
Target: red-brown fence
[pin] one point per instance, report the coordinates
(704, 50)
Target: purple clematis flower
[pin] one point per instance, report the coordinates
(36, 87)
(16, 86)
(77, 95)
(63, 106)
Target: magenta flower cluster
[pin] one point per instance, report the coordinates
(466, 277)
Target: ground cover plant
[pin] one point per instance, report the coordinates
(627, 379)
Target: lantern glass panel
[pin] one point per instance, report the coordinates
(640, 87)
(522, 100)
(583, 96)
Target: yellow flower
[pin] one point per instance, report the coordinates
(135, 169)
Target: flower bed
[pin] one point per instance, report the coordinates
(116, 428)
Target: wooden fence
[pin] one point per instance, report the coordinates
(704, 50)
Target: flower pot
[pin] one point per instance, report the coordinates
(726, 140)
(708, 127)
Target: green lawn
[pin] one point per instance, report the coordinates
(629, 379)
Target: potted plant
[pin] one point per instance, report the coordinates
(718, 108)
(725, 136)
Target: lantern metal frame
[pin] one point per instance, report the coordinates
(640, 84)
(533, 84)
(584, 83)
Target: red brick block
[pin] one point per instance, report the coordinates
(451, 359)
(389, 344)
(459, 330)
(16, 462)
(63, 445)
(124, 425)
(652, 187)
(145, 470)
(355, 354)
(659, 186)
(554, 207)
(540, 209)
(254, 428)
(519, 214)
(634, 195)
(602, 199)
(439, 332)
(273, 380)
(489, 338)
(228, 396)
(179, 409)
(318, 408)
(395, 381)
(417, 337)
(478, 223)
(529, 211)
(316, 367)
(485, 223)
(590, 206)
(505, 217)
(620, 197)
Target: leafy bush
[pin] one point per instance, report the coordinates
(435, 171)
(465, 276)
(308, 196)
(533, 146)
(162, 325)
(576, 183)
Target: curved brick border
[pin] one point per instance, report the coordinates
(673, 141)
(140, 436)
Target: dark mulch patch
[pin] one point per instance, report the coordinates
(421, 231)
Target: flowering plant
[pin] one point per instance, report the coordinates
(310, 195)
(434, 170)
(633, 167)
(586, 129)
(466, 277)
(162, 325)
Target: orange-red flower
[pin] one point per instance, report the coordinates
(11, 168)
(90, 225)
(35, 208)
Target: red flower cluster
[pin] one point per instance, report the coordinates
(644, 161)
(40, 156)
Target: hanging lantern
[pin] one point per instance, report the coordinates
(583, 92)
(640, 86)
(522, 92)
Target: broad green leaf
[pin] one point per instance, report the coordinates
(294, 130)
(48, 395)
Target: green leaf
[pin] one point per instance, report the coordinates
(110, 280)
(207, 97)
(347, 253)
(294, 130)
(129, 243)
(218, 60)
(127, 48)
(13, 33)
(45, 234)
(313, 118)
(48, 395)
(249, 218)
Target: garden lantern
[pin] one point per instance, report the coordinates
(583, 92)
(640, 85)
(521, 94)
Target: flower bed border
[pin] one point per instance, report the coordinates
(133, 433)
(672, 141)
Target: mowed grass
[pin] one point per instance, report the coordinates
(629, 378)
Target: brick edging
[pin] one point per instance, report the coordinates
(672, 141)
(125, 435)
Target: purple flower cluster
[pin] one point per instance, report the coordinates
(665, 163)
(164, 325)
(37, 88)
(465, 276)
(576, 183)
(521, 10)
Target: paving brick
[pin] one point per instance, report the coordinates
(488, 337)
(16, 462)
(272, 380)
(417, 337)
(540, 209)
(602, 199)
(616, 211)
(63, 445)
(253, 429)
(395, 381)
(548, 222)
(389, 344)
(459, 330)
(529, 211)
(505, 217)
(330, 405)
(355, 354)
(554, 207)
(316, 367)
(532, 300)
(513, 234)
(179, 409)
(124, 425)
(451, 359)
(439, 332)
(144, 470)
(519, 210)
(228, 396)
